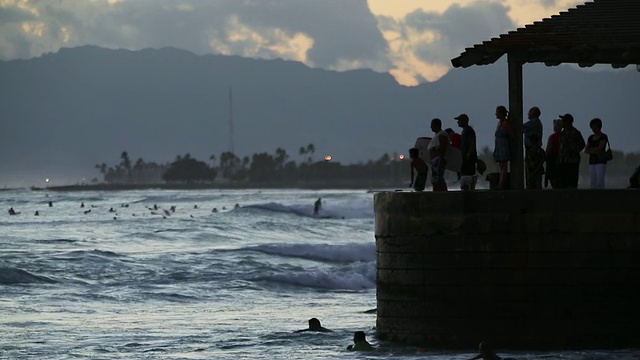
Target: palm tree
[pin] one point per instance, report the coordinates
(126, 162)
(311, 149)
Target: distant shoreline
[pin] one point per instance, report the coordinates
(125, 187)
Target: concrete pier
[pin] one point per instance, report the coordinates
(522, 269)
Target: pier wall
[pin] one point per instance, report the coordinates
(522, 269)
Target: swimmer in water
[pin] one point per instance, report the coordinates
(360, 342)
(487, 353)
(314, 325)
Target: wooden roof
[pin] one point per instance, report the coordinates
(597, 32)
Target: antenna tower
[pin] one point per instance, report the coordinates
(230, 120)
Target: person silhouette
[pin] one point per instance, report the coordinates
(360, 342)
(316, 206)
(487, 353)
(314, 325)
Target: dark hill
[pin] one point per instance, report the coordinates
(64, 112)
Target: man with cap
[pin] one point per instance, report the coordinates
(571, 144)
(469, 153)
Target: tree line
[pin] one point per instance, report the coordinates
(279, 168)
(258, 169)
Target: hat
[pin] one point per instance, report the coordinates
(567, 117)
(462, 117)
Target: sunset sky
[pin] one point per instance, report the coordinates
(413, 40)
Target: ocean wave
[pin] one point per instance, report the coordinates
(321, 252)
(94, 252)
(12, 276)
(336, 211)
(55, 241)
(321, 279)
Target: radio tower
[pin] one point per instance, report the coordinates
(230, 120)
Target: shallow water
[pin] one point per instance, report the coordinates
(139, 283)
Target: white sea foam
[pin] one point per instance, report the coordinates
(324, 280)
(364, 252)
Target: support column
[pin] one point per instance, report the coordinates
(515, 112)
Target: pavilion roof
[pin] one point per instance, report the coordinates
(597, 32)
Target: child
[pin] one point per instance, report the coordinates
(534, 162)
(421, 168)
(360, 342)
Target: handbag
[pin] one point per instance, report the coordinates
(607, 155)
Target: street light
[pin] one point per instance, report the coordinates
(328, 158)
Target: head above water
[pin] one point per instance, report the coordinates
(359, 336)
(314, 324)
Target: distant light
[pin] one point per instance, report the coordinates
(46, 180)
(401, 156)
(328, 158)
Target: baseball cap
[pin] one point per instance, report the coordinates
(567, 117)
(462, 117)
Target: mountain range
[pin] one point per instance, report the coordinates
(64, 112)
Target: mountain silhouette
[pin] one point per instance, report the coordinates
(64, 112)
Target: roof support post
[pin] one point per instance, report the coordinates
(515, 113)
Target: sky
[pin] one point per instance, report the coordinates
(413, 40)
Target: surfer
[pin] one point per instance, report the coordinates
(316, 206)
(360, 342)
(314, 325)
(12, 212)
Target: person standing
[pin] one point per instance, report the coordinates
(553, 152)
(421, 170)
(503, 140)
(534, 162)
(571, 145)
(596, 147)
(437, 149)
(533, 127)
(469, 152)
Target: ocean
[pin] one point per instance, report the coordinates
(198, 274)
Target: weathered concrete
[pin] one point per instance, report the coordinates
(523, 269)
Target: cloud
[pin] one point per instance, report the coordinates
(332, 34)
(423, 43)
